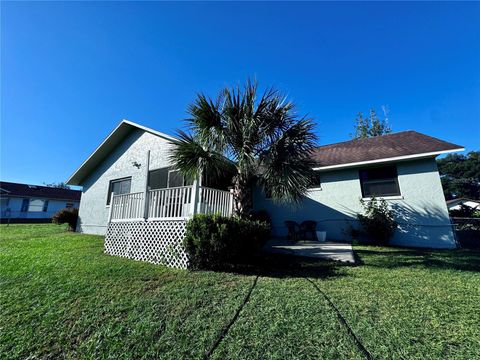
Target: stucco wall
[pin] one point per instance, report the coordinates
(421, 212)
(93, 213)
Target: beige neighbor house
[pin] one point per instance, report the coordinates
(133, 195)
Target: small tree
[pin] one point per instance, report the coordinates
(378, 221)
(460, 175)
(366, 127)
(66, 216)
(60, 185)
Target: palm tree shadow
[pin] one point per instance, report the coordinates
(288, 266)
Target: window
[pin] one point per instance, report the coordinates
(69, 206)
(317, 184)
(382, 181)
(25, 203)
(120, 186)
(166, 178)
(35, 205)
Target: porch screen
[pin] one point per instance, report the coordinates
(166, 178)
(381, 181)
(157, 179)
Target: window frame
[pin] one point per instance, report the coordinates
(25, 205)
(110, 187)
(319, 185)
(362, 180)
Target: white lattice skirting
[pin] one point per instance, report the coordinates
(158, 242)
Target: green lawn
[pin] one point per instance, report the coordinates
(60, 296)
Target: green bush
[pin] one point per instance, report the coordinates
(66, 216)
(214, 241)
(377, 222)
(262, 216)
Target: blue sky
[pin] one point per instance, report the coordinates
(71, 71)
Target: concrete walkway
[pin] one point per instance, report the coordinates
(335, 251)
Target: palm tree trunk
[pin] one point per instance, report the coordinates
(242, 196)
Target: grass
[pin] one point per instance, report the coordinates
(60, 296)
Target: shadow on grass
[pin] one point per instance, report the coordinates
(389, 258)
(288, 266)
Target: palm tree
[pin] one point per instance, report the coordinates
(257, 140)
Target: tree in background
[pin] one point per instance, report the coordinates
(366, 127)
(460, 175)
(60, 185)
(258, 138)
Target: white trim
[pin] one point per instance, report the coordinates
(384, 160)
(150, 130)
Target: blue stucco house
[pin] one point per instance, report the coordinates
(130, 191)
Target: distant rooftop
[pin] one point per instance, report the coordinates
(26, 190)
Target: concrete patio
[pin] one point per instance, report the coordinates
(335, 251)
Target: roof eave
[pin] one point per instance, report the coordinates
(82, 171)
(387, 160)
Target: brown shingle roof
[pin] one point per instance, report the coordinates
(380, 147)
(24, 190)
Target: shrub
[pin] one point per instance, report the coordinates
(262, 216)
(377, 222)
(66, 216)
(213, 241)
(465, 211)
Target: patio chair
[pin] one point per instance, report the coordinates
(308, 227)
(293, 230)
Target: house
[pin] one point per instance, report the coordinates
(34, 203)
(398, 167)
(129, 179)
(455, 204)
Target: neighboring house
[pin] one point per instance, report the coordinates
(34, 203)
(455, 204)
(133, 165)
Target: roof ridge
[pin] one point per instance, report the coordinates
(41, 186)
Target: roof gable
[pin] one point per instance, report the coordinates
(392, 147)
(104, 149)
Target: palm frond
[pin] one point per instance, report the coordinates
(191, 158)
(287, 163)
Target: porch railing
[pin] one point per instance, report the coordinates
(214, 201)
(128, 206)
(171, 203)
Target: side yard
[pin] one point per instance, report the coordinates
(60, 296)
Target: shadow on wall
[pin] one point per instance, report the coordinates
(112, 158)
(425, 226)
(422, 226)
(336, 222)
